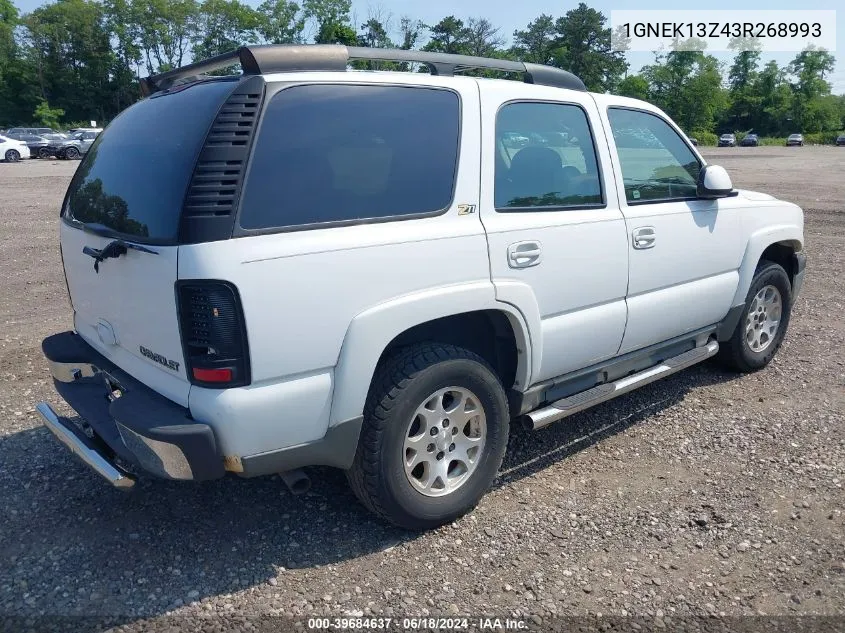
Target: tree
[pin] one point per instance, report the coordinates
(47, 116)
(744, 109)
(775, 97)
(634, 86)
(332, 20)
(584, 48)
(448, 36)
(687, 85)
(280, 22)
(810, 86)
(224, 25)
(538, 42)
(166, 30)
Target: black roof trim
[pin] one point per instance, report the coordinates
(258, 60)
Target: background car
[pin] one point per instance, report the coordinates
(727, 140)
(12, 150)
(31, 130)
(35, 142)
(75, 146)
(750, 140)
(795, 139)
(840, 140)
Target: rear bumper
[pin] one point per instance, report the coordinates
(124, 421)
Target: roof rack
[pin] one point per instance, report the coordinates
(259, 60)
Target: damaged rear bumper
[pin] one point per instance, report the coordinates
(125, 424)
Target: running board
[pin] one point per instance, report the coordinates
(584, 400)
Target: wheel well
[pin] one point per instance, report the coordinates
(488, 333)
(781, 253)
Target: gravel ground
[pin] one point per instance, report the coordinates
(704, 494)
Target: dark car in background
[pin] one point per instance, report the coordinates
(795, 139)
(727, 140)
(840, 140)
(34, 142)
(75, 146)
(750, 140)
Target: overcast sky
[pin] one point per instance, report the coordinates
(509, 16)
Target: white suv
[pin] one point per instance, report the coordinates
(378, 271)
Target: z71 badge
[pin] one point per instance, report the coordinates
(161, 360)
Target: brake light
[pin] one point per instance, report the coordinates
(213, 334)
(213, 375)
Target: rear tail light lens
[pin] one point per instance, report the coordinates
(213, 334)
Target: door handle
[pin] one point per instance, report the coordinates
(524, 254)
(644, 237)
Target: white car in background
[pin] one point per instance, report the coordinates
(12, 151)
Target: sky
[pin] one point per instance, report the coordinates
(511, 15)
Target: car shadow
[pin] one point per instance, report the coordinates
(74, 547)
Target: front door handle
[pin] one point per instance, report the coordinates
(524, 254)
(644, 237)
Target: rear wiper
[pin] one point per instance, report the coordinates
(114, 250)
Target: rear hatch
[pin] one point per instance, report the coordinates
(126, 199)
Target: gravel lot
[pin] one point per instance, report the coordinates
(704, 494)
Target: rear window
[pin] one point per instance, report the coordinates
(351, 153)
(134, 177)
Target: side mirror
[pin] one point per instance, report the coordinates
(714, 182)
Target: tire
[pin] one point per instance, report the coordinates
(744, 355)
(12, 156)
(43, 153)
(422, 377)
(71, 153)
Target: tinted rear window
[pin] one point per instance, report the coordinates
(134, 177)
(344, 153)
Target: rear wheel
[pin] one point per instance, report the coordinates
(12, 156)
(435, 431)
(44, 153)
(763, 323)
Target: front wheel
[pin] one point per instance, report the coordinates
(12, 156)
(763, 323)
(435, 430)
(71, 153)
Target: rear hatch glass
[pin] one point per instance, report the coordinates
(131, 186)
(133, 179)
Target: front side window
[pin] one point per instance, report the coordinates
(657, 165)
(346, 153)
(545, 158)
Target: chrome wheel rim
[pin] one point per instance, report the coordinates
(444, 441)
(763, 320)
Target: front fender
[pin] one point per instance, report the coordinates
(759, 241)
(371, 332)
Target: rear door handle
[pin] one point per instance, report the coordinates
(644, 237)
(524, 254)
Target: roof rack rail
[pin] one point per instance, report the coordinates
(258, 60)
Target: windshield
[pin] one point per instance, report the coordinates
(132, 181)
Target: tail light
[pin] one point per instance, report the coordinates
(213, 334)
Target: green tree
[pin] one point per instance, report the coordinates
(634, 86)
(687, 85)
(810, 87)
(280, 22)
(47, 116)
(224, 25)
(775, 96)
(165, 30)
(332, 20)
(448, 36)
(744, 109)
(537, 43)
(584, 48)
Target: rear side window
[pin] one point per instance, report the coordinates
(657, 165)
(133, 179)
(545, 158)
(351, 153)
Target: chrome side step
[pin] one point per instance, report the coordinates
(584, 400)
